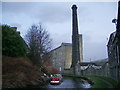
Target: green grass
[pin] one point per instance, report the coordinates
(113, 82)
(96, 80)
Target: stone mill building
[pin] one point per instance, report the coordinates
(62, 55)
(68, 55)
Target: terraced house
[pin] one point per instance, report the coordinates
(114, 50)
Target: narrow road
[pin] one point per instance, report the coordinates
(69, 82)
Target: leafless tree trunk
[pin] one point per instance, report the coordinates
(39, 44)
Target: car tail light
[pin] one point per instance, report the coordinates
(55, 78)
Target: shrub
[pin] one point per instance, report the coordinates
(12, 43)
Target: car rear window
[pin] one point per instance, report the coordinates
(57, 75)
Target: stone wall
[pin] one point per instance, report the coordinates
(61, 56)
(100, 71)
(92, 70)
(67, 71)
(81, 47)
(58, 57)
(68, 58)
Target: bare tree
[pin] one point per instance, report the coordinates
(39, 44)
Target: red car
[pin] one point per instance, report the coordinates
(56, 79)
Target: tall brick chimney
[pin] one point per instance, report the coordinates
(75, 39)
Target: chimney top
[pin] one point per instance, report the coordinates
(74, 7)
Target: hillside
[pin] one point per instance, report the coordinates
(17, 70)
(20, 73)
(100, 62)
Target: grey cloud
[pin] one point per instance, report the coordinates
(47, 12)
(44, 11)
(95, 51)
(53, 12)
(16, 7)
(16, 24)
(93, 22)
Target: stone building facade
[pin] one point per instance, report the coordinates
(62, 55)
(114, 50)
(81, 47)
(113, 56)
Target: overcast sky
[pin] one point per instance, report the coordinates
(94, 21)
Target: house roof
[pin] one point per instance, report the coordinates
(64, 44)
(67, 44)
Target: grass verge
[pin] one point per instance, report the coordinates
(96, 81)
(113, 82)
